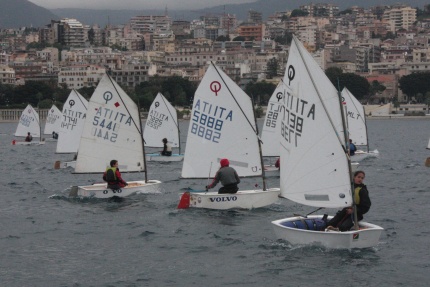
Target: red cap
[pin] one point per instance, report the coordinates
(224, 162)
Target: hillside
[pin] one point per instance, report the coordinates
(267, 7)
(20, 13)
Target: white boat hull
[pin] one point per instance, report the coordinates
(28, 143)
(100, 190)
(58, 164)
(361, 155)
(158, 157)
(354, 166)
(243, 199)
(271, 168)
(367, 236)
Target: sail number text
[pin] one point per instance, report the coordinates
(206, 126)
(292, 128)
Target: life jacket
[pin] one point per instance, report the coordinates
(357, 195)
(111, 174)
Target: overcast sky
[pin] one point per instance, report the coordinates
(135, 4)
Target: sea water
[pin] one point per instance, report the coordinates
(47, 239)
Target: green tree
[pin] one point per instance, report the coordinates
(356, 84)
(239, 39)
(298, 13)
(223, 38)
(261, 91)
(415, 83)
(272, 68)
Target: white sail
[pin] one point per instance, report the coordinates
(221, 126)
(72, 123)
(28, 122)
(112, 130)
(356, 118)
(270, 135)
(161, 123)
(53, 121)
(314, 165)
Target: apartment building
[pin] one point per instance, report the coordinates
(131, 75)
(400, 17)
(7, 75)
(251, 31)
(79, 76)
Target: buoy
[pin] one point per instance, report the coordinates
(13, 142)
(185, 201)
(427, 162)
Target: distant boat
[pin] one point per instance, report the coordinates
(72, 123)
(271, 131)
(357, 126)
(223, 125)
(28, 123)
(53, 121)
(162, 123)
(112, 130)
(316, 169)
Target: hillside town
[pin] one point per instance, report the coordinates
(381, 43)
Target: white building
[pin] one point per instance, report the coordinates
(79, 76)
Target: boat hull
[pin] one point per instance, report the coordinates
(354, 166)
(243, 199)
(58, 164)
(28, 143)
(361, 155)
(158, 157)
(100, 190)
(367, 236)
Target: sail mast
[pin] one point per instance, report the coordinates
(142, 141)
(263, 173)
(345, 133)
(365, 125)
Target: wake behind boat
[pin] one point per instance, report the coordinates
(112, 129)
(316, 168)
(223, 125)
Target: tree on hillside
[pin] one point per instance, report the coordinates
(260, 91)
(415, 83)
(298, 13)
(239, 39)
(356, 84)
(272, 68)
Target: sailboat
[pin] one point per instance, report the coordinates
(72, 123)
(28, 123)
(315, 164)
(223, 125)
(53, 121)
(112, 130)
(162, 123)
(357, 127)
(270, 134)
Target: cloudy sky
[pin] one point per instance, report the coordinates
(135, 4)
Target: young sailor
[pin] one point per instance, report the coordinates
(228, 177)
